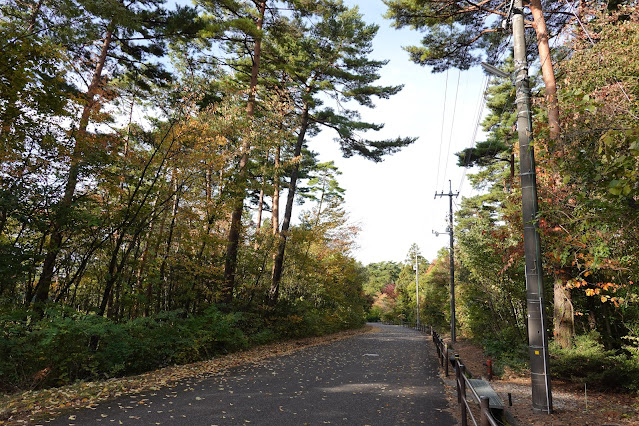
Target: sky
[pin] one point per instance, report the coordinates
(394, 202)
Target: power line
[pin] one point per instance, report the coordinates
(479, 111)
(480, 115)
(441, 135)
(452, 125)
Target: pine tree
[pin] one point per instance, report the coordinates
(331, 57)
(127, 37)
(459, 34)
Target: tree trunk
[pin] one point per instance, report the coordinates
(167, 253)
(111, 275)
(230, 264)
(564, 325)
(260, 208)
(321, 200)
(55, 243)
(548, 74)
(275, 209)
(34, 16)
(116, 267)
(278, 259)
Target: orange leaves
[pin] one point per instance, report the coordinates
(615, 300)
(610, 286)
(598, 289)
(592, 291)
(576, 283)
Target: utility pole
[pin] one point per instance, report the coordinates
(537, 337)
(417, 286)
(450, 196)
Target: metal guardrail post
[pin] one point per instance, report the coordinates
(486, 416)
(458, 386)
(462, 393)
(446, 362)
(484, 403)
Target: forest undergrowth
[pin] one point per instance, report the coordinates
(34, 405)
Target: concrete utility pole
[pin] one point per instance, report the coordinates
(537, 337)
(417, 286)
(450, 195)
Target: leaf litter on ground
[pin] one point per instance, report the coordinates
(569, 402)
(29, 406)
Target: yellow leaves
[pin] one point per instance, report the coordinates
(592, 291)
(48, 402)
(607, 287)
(576, 283)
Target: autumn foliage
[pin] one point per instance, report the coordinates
(141, 172)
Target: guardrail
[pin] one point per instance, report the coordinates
(463, 382)
(419, 327)
(463, 379)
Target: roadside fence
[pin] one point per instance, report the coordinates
(480, 390)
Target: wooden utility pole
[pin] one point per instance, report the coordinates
(450, 196)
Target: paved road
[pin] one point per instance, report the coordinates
(384, 378)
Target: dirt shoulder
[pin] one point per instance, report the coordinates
(572, 406)
(31, 406)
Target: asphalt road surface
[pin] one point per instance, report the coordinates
(387, 377)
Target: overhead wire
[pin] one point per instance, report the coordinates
(479, 116)
(441, 135)
(473, 140)
(480, 106)
(479, 111)
(452, 125)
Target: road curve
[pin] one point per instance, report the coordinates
(387, 377)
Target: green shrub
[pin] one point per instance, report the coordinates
(506, 352)
(65, 346)
(374, 314)
(590, 363)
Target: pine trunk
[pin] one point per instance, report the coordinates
(260, 208)
(275, 211)
(55, 243)
(278, 259)
(258, 226)
(548, 74)
(232, 246)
